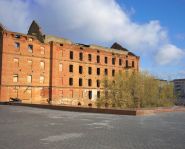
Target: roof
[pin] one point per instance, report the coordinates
(118, 47)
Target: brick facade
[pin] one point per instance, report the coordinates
(39, 68)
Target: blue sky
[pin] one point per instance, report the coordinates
(153, 29)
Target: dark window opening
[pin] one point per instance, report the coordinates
(89, 82)
(61, 44)
(106, 72)
(17, 45)
(17, 36)
(113, 61)
(80, 56)
(70, 81)
(89, 57)
(98, 59)
(113, 72)
(81, 48)
(98, 71)
(126, 63)
(71, 54)
(106, 60)
(80, 82)
(30, 48)
(70, 68)
(98, 83)
(98, 51)
(98, 94)
(132, 63)
(89, 70)
(120, 62)
(90, 94)
(80, 69)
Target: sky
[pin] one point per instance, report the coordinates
(152, 29)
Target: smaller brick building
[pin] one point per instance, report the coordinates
(39, 68)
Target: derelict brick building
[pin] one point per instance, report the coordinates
(38, 68)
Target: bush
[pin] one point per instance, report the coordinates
(136, 90)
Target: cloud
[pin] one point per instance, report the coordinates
(91, 21)
(169, 53)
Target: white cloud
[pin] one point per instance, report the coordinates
(169, 53)
(92, 21)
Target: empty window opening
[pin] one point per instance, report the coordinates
(80, 69)
(98, 83)
(17, 36)
(132, 63)
(89, 70)
(106, 60)
(70, 68)
(98, 94)
(98, 71)
(90, 94)
(80, 56)
(120, 62)
(71, 55)
(70, 81)
(89, 82)
(89, 57)
(113, 72)
(126, 63)
(30, 48)
(98, 59)
(80, 82)
(113, 61)
(105, 72)
(17, 45)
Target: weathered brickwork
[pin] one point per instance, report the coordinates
(38, 68)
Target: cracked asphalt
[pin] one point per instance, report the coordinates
(34, 128)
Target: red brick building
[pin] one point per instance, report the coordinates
(38, 68)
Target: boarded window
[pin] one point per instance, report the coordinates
(29, 78)
(41, 79)
(15, 78)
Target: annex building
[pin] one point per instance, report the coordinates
(40, 68)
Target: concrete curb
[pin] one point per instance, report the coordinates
(134, 112)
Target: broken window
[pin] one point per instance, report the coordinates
(106, 72)
(89, 82)
(98, 83)
(113, 60)
(70, 81)
(106, 60)
(89, 70)
(15, 78)
(70, 68)
(98, 71)
(80, 82)
(98, 59)
(29, 78)
(80, 69)
(80, 56)
(17, 45)
(89, 57)
(41, 79)
(113, 72)
(71, 55)
(42, 64)
(90, 94)
(30, 48)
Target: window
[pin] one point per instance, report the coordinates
(29, 78)
(30, 48)
(30, 63)
(89, 82)
(16, 61)
(60, 67)
(89, 70)
(71, 55)
(126, 63)
(98, 71)
(17, 45)
(80, 69)
(120, 62)
(113, 61)
(113, 72)
(42, 50)
(30, 39)
(70, 68)
(98, 59)
(89, 57)
(80, 82)
(106, 60)
(15, 78)
(41, 79)
(132, 63)
(80, 56)
(90, 94)
(105, 72)
(98, 83)
(42, 65)
(98, 94)
(70, 81)
(17, 36)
